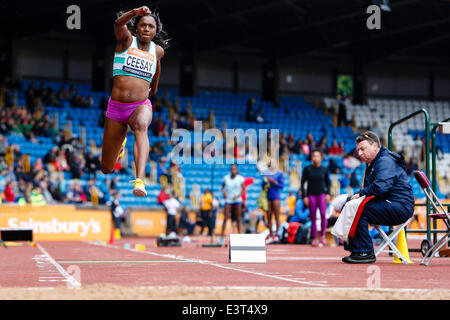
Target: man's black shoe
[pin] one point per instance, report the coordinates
(362, 257)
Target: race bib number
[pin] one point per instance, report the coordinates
(139, 62)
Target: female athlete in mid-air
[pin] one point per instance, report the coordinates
(136, 74)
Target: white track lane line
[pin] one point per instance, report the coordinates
(70, 280)
(309, 283)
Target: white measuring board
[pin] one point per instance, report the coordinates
(247, 248)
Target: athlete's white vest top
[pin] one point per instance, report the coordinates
(135, 62)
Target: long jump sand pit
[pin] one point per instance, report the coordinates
(114, 292)
(118, 272)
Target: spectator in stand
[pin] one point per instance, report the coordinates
(105, 190)
(173, 126)
(312, 146)
(190, 122)
(52, 99)
(341, 145)
(92, 165)
(89, 102)
(323, 148)
(158, 127)
(88, 190)
(291, 143)
(164, 145)
(36, 197)
(297, 149)
(60, 162)
(63, 94)
(118, 168)
(39, 128)
(76, 164)
(83, 102)
(305, 147)
(249, 116)
(30, 98)
(259, 117)
(16, 150)
(8, 193)
(3, 166)
(350, 162)
(333, 168)
(323, 140)
(38, 165)
(56, 192)
(175, 170)
(335, 149)
(20, 174)
(157, 103)
(75, 101)
(283, 141)
(45, 192)
(154, 126)
(21, 187)
(51, 155)
(75, 194)
(42, 94)
(72, 91)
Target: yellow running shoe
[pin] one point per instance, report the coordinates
(123, 149)
(139, 188)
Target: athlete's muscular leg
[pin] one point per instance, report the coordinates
(139, 121)
(113, 136)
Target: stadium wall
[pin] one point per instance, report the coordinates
(43, 58)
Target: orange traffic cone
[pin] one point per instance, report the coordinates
(112, 239)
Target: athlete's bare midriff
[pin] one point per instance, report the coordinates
(127, 89)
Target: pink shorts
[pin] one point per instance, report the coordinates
(119, 111)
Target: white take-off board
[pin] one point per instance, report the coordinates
(247, 248)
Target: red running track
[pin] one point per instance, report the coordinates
(52, 264)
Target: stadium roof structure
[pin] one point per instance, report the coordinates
(275, 28)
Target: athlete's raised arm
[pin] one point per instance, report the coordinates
(123, 35)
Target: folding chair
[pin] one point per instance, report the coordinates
(441, 214)
(388, 241)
